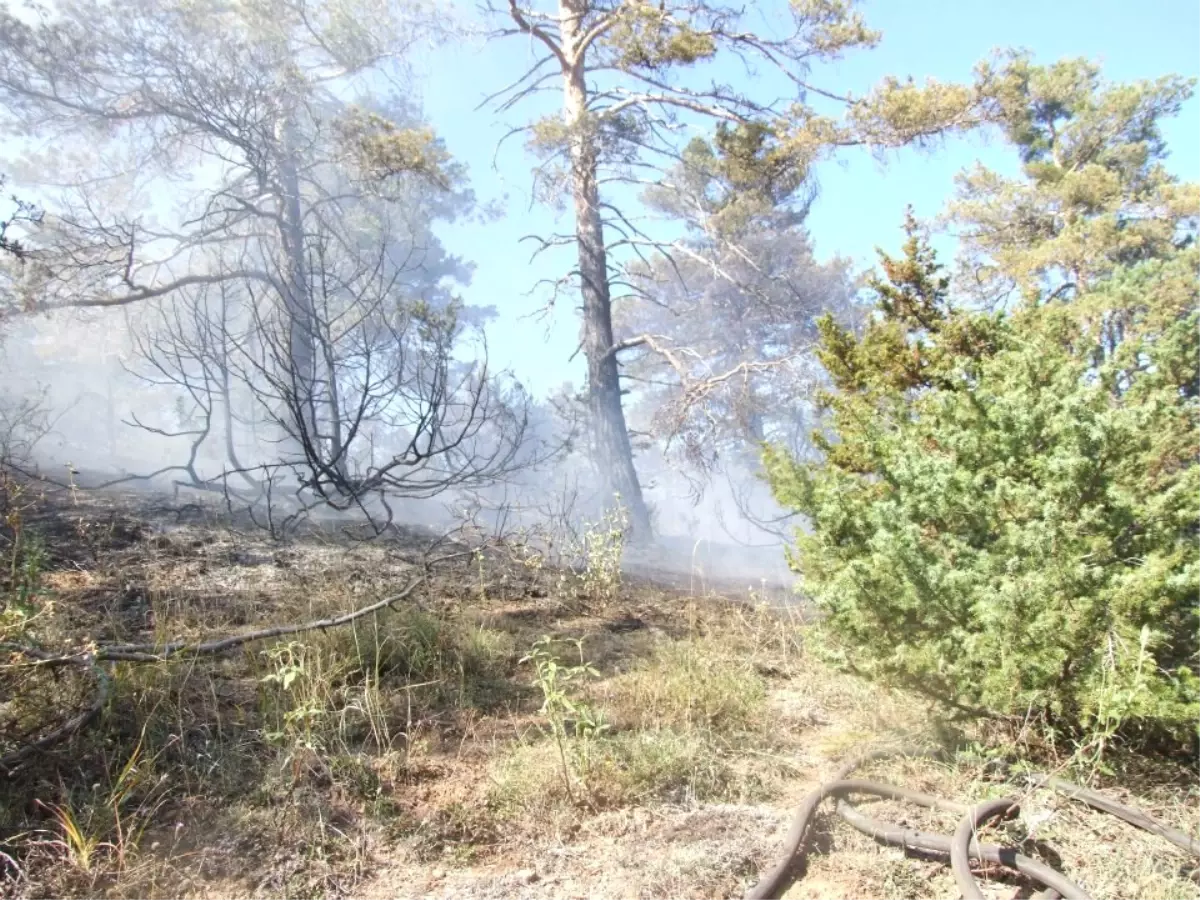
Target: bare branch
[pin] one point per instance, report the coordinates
(521, 17)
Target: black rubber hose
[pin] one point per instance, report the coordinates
(770, 883)
(964, 835)
(773, 881)
(962, 848)
(1129, 814)
(1057, 884)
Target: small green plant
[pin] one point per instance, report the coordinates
(600, 551)
(1118, 698)
(300, 714)
(482, 582)
(574, 724)
(528, 555)
(25, 555)
(27, 570)
(19, 605)
(335, 693)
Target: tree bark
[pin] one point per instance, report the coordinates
(613, 453)
(297, 299)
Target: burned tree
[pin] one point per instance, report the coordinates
(306, 219)
(184, 347)
(235, 99)
(390, 411)
(385, 412)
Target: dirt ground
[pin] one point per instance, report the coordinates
(416, 754)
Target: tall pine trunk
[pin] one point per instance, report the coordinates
(610, 436)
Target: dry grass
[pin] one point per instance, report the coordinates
(407, 754)
(690, 685)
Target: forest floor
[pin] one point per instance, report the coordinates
(414, 753)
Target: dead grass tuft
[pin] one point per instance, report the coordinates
(696, 684)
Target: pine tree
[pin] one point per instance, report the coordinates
(1005, 513)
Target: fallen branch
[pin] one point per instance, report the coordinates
(156, 653)
(149, 653)
(10, 761)
(152, 653)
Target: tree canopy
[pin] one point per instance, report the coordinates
(1004, 513)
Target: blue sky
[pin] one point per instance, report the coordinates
(861, 200)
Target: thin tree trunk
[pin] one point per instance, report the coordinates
(220, 354)
(297, 298)
(337, 450)
(611, 446)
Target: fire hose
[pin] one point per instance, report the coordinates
(963, 847)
